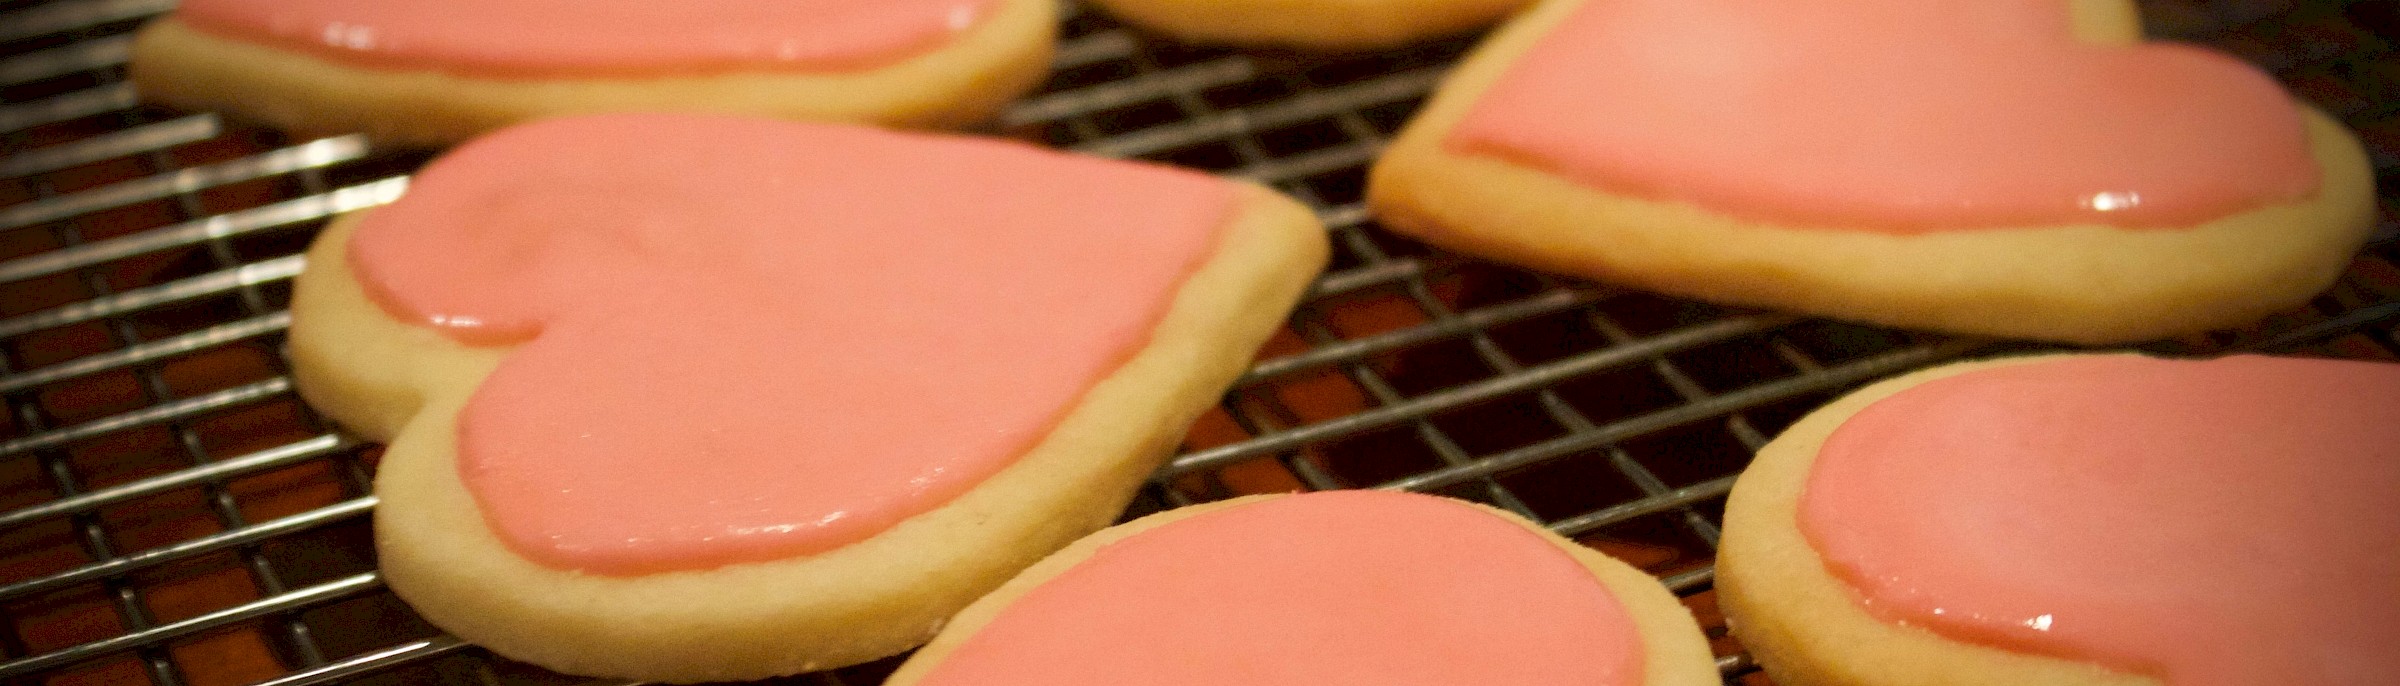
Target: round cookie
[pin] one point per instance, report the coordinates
(1311, 24)
(440, 72)
(2078, 519)
(1337, 587)
(2025, 168)
(694, 398)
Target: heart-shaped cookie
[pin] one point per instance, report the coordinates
(2022, 168)
(1349, 25)
(1893, 115)
(625, 358)
(1343, 587)
(439, 71)
(588, 37)
(2096, 519)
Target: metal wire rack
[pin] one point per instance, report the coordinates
(171, 513)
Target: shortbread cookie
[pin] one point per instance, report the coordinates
(2079, 520)
(1311, 24)
(436, 72)
(1322, 589)
(2022, 168)
(690, 398)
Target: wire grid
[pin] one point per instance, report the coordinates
(170, 513)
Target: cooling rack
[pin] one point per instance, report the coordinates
(170, 513)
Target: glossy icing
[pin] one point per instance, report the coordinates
(1341, 587)
(1894, 116)
(549, 37)
(2209, 523)
(744, 340)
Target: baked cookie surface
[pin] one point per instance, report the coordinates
(2025, 169)
(643, 376)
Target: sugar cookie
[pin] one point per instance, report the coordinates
(436, 72)
(1311, 24)
(2025, 168)
(686, 398)
(2072, 520)
(1338, 587)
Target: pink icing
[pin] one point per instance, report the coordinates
(2208, 523)
(545, 37)
(1344, 587)
(1894, 116)
(744, 340)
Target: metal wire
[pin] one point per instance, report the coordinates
(153, 445)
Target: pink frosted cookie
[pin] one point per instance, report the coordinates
(692, 398)
(1311, 24)
(2022, 168)
(2072, 520)
(1322, 589)
(439, 71)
